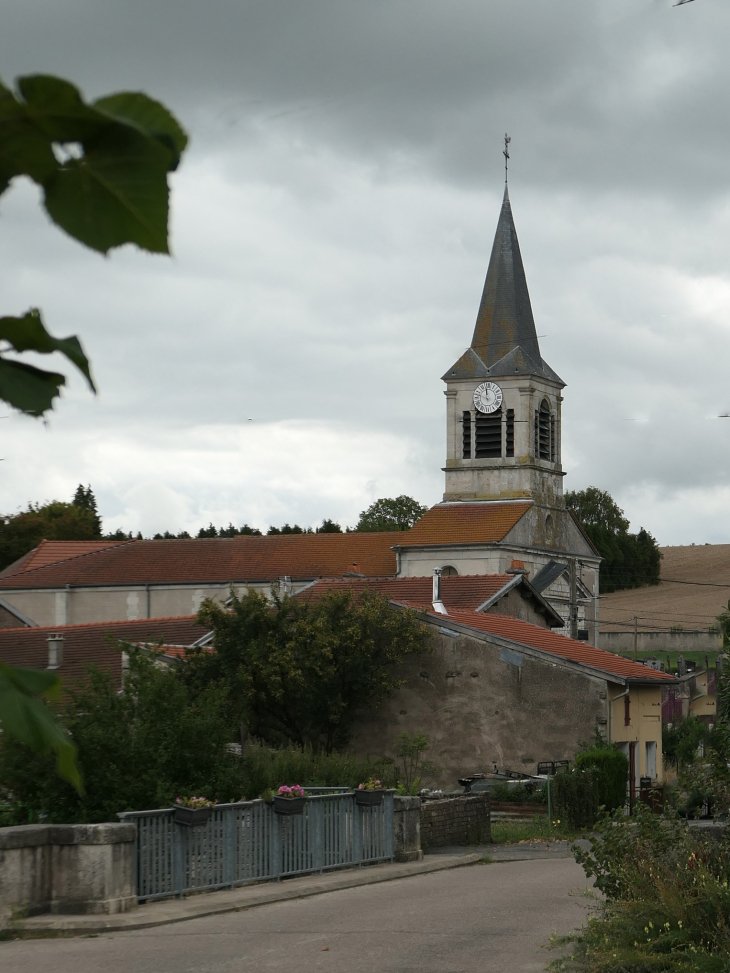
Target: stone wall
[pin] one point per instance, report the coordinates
(456, 821)
(67, 868)
(480, 705)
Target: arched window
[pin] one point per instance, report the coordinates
(449, 571)
(544, 432)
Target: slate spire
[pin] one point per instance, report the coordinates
(505, 320)
(505, 340)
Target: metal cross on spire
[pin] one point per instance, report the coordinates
(505, 153)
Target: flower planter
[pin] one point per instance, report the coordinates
(289, 805)
(369, 798)
(192, 817)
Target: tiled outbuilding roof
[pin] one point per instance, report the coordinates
(51, 552)
(217, 560)
(544, 639)
(462, 591)
(85, 645)
(477, 522)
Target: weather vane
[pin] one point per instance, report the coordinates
(505, 153)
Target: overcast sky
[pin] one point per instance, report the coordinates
(331, 225)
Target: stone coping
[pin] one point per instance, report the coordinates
(33, 835)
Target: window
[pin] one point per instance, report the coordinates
(627, 711)
(488, 435)
(543, 428)
(466, 435)
(510, 433)
(448, 571)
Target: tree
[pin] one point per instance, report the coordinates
(399, 513)
(57, 521)
(137, 749)
(84, 499)
(300, 671)
(630, 560)
(287, 529)
(103, 170)
(597, 508)
(329, 527)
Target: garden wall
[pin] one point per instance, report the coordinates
(456, 821)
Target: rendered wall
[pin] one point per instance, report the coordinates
(478, 709)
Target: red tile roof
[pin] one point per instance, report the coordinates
(458, 591)
(86, 645)
(50, 552)
(544, 639)
(217, 560)
(480, 522)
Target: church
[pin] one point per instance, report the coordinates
(503, 509)
(502, 513)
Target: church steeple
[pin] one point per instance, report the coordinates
(503, 399)
(505, 340)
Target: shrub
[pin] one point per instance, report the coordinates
(668, 903)
(575, 796)
(612, 768)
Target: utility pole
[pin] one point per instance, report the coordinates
(636, 635)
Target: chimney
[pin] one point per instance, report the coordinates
(438, 605)
(517, 567)
(55, 651)
(353, 571)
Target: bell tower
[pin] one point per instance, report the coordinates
(503, 400)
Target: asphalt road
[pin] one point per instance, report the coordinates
(485, 917)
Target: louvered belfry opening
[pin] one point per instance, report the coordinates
(510, 433)
(466, 435)
(488, 435)
(543, 429)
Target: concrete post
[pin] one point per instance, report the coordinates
(407, 829)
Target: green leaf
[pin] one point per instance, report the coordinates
(29, 720)
(23, 149)
(148, 115)
(29, 334)
(117, 193)
(56, 108)
(27, 388)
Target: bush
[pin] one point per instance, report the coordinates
(156, 741)
(136, 750)
(519, 793)
(613, 771)
(575, 796)
(668, 902)
(263, 767)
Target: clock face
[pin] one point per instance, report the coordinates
(487, 397)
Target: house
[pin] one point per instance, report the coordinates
(70, 650)
(504, 690)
